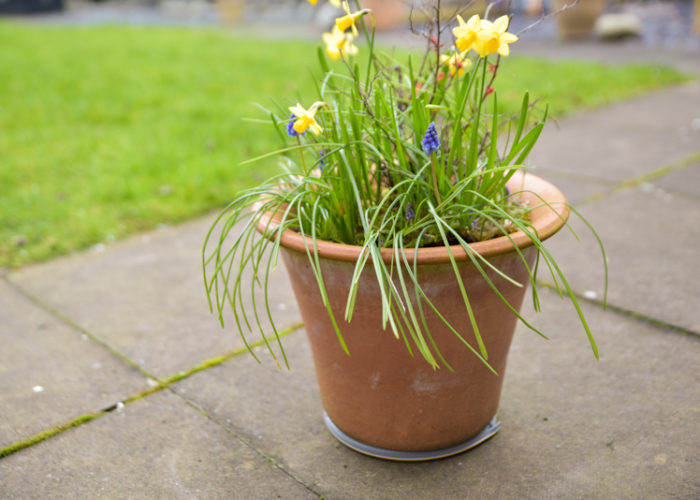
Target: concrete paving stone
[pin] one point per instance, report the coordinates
(651, 239)
(684, 59)
(623, 427)
(685, 181)
(50, 373)
(626, 139)
(576, 188)
(145, 297)
(157, 447)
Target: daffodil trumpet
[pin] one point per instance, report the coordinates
(306, 119)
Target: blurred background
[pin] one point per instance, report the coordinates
(650, 22)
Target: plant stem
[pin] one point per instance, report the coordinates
(435, 183)
(301, 153)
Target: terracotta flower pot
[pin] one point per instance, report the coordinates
(381, 396)
(578, 21)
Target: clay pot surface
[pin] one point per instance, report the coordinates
(388, 14)
(380, 394)
(578, 21)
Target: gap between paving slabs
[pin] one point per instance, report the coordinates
(201, 410)
(159, 384)
(218, 361)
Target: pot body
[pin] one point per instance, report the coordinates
(380, 394)
(578, 21)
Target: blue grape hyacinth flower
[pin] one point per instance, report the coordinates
(431, 143)
(321, 160)
(410, 214)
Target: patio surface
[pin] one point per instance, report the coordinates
(112, 356)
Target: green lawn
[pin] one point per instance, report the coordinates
(109, 130)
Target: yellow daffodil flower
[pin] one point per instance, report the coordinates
(466, 33)
(456, 63)
(348, 20)
(492, 37)
(306, 119)
(339, 43)
(313, 2)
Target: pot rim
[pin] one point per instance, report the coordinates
(546, 219)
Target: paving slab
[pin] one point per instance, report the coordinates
(145, 297)
(572, 427)
(157, 447)
(651, 239)
(625, 140)
(50, 374)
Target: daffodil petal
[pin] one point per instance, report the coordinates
(350, 49)
(314, 107)
(333, 52)
(501, 24)
(315, 128)
(297, 110)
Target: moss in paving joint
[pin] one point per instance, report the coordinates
(630, 314)
(220, 359)
(167, 382)
(8, 450)
(161, 384)
(648, 177)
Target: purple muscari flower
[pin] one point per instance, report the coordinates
(431, 142)
(321, 160)
(410, 214)
(290, 126)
